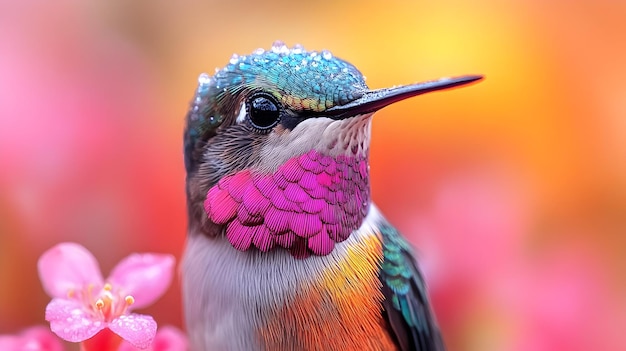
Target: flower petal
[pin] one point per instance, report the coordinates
(144, 276)
(168, 338)
(67, 266)
(40, 338)
(137, 329)
(70, 321)
(10, 343)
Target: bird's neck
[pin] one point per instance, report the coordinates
(307, 205)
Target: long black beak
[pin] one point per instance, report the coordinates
(376, 99)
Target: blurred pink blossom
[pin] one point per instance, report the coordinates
(37, 338)
(486, 290)
(83, 303)
(469, 237)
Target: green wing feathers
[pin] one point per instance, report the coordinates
(406, 305)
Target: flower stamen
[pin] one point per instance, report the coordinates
(83, 303)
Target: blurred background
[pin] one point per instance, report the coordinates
(513, 190)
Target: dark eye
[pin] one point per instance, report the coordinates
(263, 111)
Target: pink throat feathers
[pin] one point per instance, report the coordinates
(309, 204)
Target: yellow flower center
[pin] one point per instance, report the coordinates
(107, 305)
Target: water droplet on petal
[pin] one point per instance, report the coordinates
(259, 51)
(327, 55)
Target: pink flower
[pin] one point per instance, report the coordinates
(167, 338)
(31, 339)
(83, 303)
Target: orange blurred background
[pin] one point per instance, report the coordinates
(513, 190)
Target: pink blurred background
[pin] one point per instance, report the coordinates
(513, 190)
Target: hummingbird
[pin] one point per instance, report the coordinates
(285, 249)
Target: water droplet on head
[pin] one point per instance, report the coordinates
(259, 51)
(204, 79)
(234, 59)
(278, 46)
(215, 121)
(327, 55)
(297, 49)
(314, 64)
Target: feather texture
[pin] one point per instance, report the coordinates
(252, 300)
(406, 305)
(307, 205)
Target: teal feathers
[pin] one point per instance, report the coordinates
(406, 302)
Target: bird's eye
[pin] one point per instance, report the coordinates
(263, 111)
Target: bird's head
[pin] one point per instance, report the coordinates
(276, 148)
